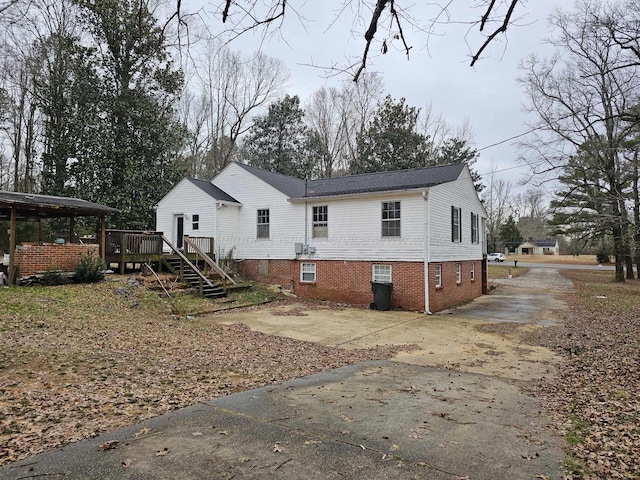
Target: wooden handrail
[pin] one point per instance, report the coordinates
(186, 260)
(208, 260)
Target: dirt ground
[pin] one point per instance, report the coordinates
(442, 340)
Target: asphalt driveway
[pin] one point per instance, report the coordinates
(414, 417)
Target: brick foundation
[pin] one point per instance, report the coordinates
(350, 281)
(32, 258)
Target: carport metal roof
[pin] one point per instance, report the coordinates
(32, 206)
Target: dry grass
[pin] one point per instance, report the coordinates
(560, 259)
(79, 360)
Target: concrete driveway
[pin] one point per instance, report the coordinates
(427, 415)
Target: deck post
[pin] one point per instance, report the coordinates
(12, 246)
(103, 237)
(123, 248)
(72, 225)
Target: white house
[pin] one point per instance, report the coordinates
(422, 230)
(538, 247)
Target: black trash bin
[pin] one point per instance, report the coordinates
(381, 295)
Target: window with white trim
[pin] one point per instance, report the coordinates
(438, 275)
(390, 219)
(307, 272)
(456, 224)
(473, 271)
(263, 223)
(382, 273)
(320, 222)
(458, 273)
(475, 227)
(195, 222)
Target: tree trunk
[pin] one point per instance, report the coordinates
(619, 250)
(636, 213)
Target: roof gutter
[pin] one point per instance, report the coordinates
(339, 196)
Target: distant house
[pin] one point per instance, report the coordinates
(538, 247)
(422, 230)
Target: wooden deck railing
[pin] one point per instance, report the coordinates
(127, 242)
(203, 244)
(208, 261)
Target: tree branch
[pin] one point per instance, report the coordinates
(501, 29)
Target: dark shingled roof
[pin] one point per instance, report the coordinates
(213, 191)
(290, 186)
(29, 204)
(364, 183)
(543, 243)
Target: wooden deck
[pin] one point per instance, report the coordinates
(130, 247)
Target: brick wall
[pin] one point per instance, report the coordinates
(452, 293)
(350, 281)
(31, 258)
(268, 271)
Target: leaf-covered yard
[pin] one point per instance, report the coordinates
(596, 397)
(79, 360)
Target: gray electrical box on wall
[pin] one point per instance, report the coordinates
(299, 248)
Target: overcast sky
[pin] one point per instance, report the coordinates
(487, 95)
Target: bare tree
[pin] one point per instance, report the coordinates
(359, 102)
(434, 125)
(325, 115)
(380, 22)
(226, 89)
(498, 203)
(579, 97)
(532, 213)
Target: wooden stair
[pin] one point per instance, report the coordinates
(194, 279)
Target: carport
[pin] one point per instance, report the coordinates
(28, 207)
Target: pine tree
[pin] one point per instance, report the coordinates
(390, 141)
(279, 141)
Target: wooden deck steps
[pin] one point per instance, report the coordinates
(194, 279)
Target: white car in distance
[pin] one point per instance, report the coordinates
(496, 257)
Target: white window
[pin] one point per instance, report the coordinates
(308, 272)
(263, 223)
(438, 269)
(390, 219)
(456, 224)
(195, 222)
(458, 273)
(382, 273)
(320, 222)
(473, 271)
(475, 223)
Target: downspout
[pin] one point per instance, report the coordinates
(427, 250)
(306, 214)
(216, 243)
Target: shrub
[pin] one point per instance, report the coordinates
(602, 257)
(90, 269)
(53, 277)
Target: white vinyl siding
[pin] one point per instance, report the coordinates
(382, 273)
(460, 194)
(180, 202)
(237, 225)
(307, 272)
